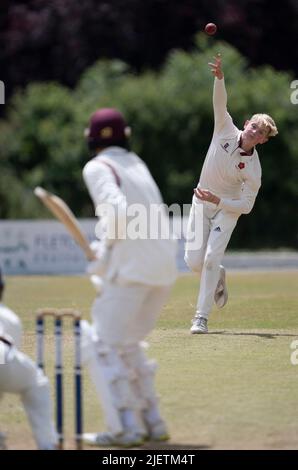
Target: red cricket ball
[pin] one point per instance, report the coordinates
(210, 29)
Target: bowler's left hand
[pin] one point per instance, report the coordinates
(207, 196)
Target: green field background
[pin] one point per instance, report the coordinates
(234, 388)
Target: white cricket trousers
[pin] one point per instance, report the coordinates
(124, 378)
(217, 227)
(21, 376)
(125, 315)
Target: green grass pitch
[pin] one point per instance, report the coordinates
(234, 388)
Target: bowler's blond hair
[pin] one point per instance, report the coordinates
(265, 121)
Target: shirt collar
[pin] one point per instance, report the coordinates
(115, 149)
(241, 151)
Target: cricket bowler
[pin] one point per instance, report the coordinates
(228, 186)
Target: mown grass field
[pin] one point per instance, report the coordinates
(234, 388)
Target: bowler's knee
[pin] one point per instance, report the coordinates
(193, 261)
(211, 261)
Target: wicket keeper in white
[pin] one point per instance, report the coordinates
(20, 375)
(228, 186)
(137, 277)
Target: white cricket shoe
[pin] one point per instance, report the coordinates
(199, 325)
(158, 432)
(221, 292)
(107, 439)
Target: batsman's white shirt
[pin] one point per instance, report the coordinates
(228, 172)
(144, 261)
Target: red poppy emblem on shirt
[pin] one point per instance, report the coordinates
(241, 165)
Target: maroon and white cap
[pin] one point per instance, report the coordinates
(107, 126)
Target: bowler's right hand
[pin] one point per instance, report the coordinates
(216, 67)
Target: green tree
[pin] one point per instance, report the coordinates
(170, 111)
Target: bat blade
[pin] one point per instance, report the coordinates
(62, 212)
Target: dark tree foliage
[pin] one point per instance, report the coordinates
(263, 30)
(58, 39)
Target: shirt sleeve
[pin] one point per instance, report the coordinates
(222, 119)
(11, 329)
(246, 202)
(108, 199)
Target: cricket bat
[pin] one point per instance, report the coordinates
(62, 212)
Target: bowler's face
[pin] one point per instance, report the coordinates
(254, 133)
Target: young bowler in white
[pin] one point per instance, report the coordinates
(228, 186)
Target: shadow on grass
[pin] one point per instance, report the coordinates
(153, 446)
(172, 446)
(260, 335)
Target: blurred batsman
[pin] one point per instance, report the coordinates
(138, 270)
(20, 375)
(228, 186)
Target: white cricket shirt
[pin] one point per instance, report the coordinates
(147, 261)
(228, 171)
